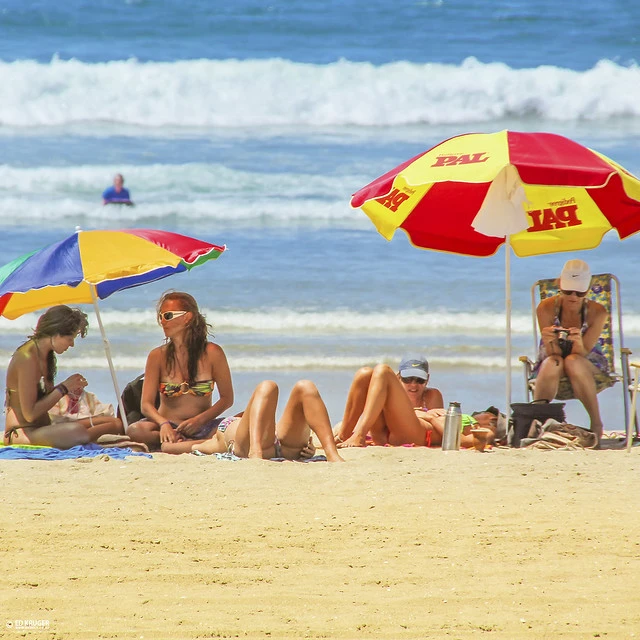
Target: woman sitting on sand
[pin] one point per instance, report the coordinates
(255, 433)
(184, 371)
(31, 392)
(570, 362)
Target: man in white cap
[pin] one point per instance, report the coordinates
(570, 361)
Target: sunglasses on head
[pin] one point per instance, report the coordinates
(170, 315)
(580, 294)
(413, 380)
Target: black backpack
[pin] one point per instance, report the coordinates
(131, 399)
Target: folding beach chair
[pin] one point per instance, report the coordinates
(633, 421)
(605, 289)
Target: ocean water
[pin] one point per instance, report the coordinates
(251, 125)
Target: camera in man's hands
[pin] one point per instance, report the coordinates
(566, 346)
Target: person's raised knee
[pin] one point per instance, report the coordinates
(363, 372)
(267, 387)
(306, 387)
(383, 370)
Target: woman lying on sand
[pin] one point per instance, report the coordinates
(255, 433)
(185, 371)
(399, 408)
(31, 392)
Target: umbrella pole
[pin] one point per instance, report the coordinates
(507, 304)
(107, 350)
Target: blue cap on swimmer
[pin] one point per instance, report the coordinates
(414, 366)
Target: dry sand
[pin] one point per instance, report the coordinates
(397, 543)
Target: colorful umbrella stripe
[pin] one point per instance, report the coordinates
(105, 261)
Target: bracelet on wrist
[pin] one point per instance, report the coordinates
(165, 422)
(62, 389)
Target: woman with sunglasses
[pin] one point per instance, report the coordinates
(570, 363)
(184, 373)
(31, 391)
(392, 408)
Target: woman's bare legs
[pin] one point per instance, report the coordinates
(101, 425)
(548, 378)
(145, 431)
(61, 435)
(254, 435)
(388, 401)
(305, 412)
(581, 372)
(354, 406)
(356, 400)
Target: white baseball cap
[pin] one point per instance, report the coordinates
(575, 276)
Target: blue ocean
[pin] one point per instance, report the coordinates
(250, 124)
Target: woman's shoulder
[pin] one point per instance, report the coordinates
(24, 354)
(214, 349)
(432, 398)
(548, 303)
(595, 310)
(156, 353)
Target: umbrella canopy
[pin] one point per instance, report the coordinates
(467, 194)
(538, 192)
(91, 265)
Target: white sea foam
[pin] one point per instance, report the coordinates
(281, 362)
(287, 323)
(195, 192)
(277, 93)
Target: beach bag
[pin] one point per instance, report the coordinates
(86, 406)
(131, 399)
(523, 414)
(560, 435)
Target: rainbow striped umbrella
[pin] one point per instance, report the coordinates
(91, 265)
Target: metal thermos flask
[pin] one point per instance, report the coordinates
(452, 428)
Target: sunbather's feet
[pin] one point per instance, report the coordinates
(353, 441)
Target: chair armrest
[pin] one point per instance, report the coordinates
(527, 360)
(626, 351)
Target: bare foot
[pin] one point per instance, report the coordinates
(353, 441)
(334, 457)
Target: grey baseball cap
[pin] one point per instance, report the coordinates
(414, 367)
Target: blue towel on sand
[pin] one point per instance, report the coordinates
(230, 456)
(16, 452)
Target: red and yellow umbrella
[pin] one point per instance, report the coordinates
(545, 192)
(539, 192)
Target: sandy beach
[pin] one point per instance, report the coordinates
(396, 543)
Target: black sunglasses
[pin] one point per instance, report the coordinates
(414, 380)
(580, 294)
